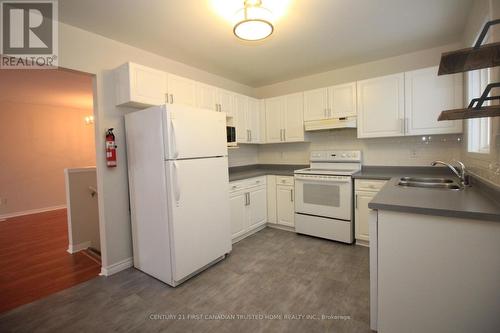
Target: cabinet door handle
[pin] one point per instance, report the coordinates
(166, 98)
(250, 132)
(291, 195)
(356, 201)
(171, 99)
(284, 134)
(249, 202)
(220, 107)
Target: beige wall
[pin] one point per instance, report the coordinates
(405, 62)
(37, 143)
(485, 165)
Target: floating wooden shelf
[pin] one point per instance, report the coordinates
(470, 59)
(477, 57)
(475, 108)
(485, 111)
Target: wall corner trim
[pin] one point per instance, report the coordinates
(117, 267)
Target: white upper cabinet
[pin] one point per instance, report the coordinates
(225, 102)
(139, 86)
(381, 106)
(342, 100)
(241, 107)
(206, 96)
(181, 90)
(316, 104)
(293, 118)
(247, 119)
(285, 118)
(333, 102)
(274, 126)
(253, 120)
(426, 95)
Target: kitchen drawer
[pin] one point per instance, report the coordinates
(284, 180)
(247, 183)
(369, 185)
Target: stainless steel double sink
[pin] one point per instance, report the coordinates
(428, 182)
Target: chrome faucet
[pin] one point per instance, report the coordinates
(461, 173)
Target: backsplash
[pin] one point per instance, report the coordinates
(243, 155)
(487, 167)
(398, 151)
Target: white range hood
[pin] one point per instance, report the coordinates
(332, 123)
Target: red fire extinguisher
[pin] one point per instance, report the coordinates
(110, 149)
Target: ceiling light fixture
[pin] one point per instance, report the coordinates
(254, 21)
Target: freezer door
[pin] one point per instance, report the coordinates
(193, 133)
(199, 213)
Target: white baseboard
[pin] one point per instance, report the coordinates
(117, 267)
(78, 247)
(363, 242)
(31, 211)
(281, 227)
(249, 233)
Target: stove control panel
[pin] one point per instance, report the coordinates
(335, 156)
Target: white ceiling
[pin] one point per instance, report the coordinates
(47, 87)
(311, 37)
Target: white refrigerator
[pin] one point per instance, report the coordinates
(178, 181)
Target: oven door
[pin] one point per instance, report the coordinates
(325, 196)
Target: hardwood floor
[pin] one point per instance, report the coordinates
(273, 272)
(33, 259)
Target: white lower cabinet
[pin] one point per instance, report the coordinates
(238, 214)
(271, 199)
(257, 207)
(365, 191)
(285, 205)
(280, 201)
(248, 205)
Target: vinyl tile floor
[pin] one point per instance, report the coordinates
(273, 281)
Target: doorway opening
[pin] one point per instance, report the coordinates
(49, 222)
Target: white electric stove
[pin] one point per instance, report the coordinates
(324, 195)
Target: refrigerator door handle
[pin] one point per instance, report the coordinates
(175, 153)
(177, 188)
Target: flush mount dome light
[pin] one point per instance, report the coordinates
(254, 21)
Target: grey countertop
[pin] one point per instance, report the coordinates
(255, 170)
(481, 201)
